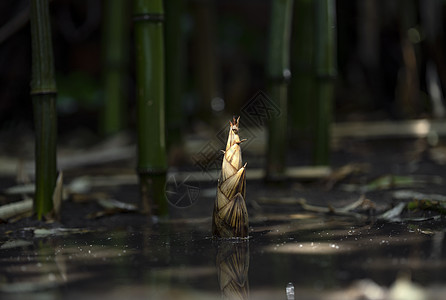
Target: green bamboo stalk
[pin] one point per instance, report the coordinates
(43, 94)
(407, 90)
(174, 71)
(115, 64)
(302, 81)
(152, 161)
(206, 65)
(325, 70)
(278, 75)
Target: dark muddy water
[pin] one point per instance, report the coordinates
(288, 256)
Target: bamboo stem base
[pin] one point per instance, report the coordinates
(153, 197)
(45, 122)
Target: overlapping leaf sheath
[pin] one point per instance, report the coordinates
(230, 218)
(232, 269)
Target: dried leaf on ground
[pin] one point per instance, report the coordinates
(426, 204)
(14, 209)
(58, 196)
(362, 204)
(279, 200)
(393, 214)
(19, 217)
(343, 172)
(409, 195)
(346, 210)
(112, 207)
(83, 198)
(113, 203)
(438, 154)
(22, 175)
(15, 244)
(84, 184)
(28, 188)
(421, 201)
(45, 232)
(393, 181)
(103, 213)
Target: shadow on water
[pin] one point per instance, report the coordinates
(302, 256)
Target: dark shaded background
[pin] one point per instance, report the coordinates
(383, 50)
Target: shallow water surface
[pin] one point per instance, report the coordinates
(299, 256)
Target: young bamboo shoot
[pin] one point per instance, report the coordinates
(230, 217)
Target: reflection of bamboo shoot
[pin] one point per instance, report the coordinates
(232, 268)
(230, 218)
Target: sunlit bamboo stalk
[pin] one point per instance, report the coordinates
(230, 217)
(152, 162)
(115, 52)
(325, 70)
(278, 72)
(43, 94)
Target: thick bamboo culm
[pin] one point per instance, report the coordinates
(43, 94)
(325, 71)
(206, 63)
(230, 216)
(278, 72)
(152, 161)
(301, 60)
(115, 52)
(174, 71)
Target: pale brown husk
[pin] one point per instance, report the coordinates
(230, 217)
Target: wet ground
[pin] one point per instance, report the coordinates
(316, 249)
(319, 256)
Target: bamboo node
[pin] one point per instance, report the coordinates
(149, 17)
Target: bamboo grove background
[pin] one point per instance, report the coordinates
(202, 61)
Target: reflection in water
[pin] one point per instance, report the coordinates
(324, 257)
(232, 268)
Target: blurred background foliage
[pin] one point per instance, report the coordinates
(391, 62)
